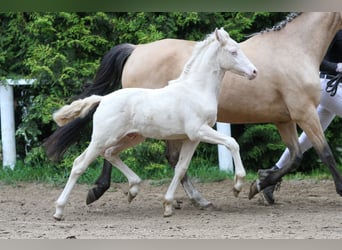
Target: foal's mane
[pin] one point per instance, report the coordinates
(279, 25)
(196, 51)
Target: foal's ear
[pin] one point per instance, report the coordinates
(220, 36)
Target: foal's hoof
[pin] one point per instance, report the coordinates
(57, 217)
(168, 209)
(253, 190)
(130, 197)
(236, 192)
(167, 213)
(209, 207)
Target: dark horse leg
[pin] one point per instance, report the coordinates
(272, 176)
(102, 183)
(313, 130)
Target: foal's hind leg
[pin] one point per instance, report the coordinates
(172, 154)
(80, 165)
(133, 179)
(111, 154)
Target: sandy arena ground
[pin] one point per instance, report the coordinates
(304, 210)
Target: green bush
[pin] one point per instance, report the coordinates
(260, 146)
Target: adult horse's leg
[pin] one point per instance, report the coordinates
(172, 154)
(102, 183)
(269, 177)
(312, 127)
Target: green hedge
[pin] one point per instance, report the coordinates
(62, 51)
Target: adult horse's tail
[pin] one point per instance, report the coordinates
(107, 79)
(77, 109)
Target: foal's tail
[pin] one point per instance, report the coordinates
(107, 79)
(76, 109)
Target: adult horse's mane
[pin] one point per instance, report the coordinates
(279, 25)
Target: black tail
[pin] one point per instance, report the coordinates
(107, 79)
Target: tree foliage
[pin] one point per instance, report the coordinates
(62, 50)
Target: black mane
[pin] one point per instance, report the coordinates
(279, 25)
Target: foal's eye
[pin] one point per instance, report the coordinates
(233, 53)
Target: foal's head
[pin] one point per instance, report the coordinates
(231, 57)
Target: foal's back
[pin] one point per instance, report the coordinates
(154, 113)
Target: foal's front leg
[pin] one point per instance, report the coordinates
(172, 154)
(209, 135)
(186, 153)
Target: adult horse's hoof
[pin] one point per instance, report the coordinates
(177, 204)
(254, 189)
(91, 197)
(267, 193)
(95, 193)
(339, 191)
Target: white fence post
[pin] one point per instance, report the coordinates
(224, 155)
(7, 126)
(7, 121)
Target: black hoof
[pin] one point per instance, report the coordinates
(339, 191)
(91, 197)
(267, 193)
(253, 190)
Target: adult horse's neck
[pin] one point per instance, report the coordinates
(313, 32)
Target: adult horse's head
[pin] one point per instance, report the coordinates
(233, 58)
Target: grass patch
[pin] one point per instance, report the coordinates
(208, 173)
(199, 171)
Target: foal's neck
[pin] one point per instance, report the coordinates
(205, 73)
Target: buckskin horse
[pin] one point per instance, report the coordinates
(286, 91)
(186, 110)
